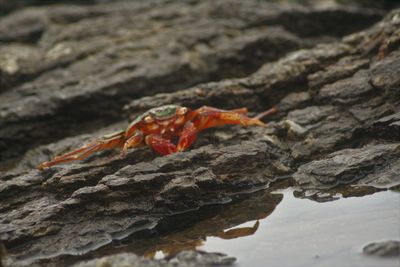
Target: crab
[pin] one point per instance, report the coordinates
(158, 126)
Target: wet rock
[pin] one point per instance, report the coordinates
(60, 63)
(337, 120)
(389, 248)
(347, 90)
(374, 164)
(131, 199)
(386, 127)
(88, 66)
(344, 68)
(184, 259)
(207, 222)
(295, 101)
(385, 75)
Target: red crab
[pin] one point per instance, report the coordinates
(158, 126)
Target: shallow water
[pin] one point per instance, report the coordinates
(275, 228)
(302, 232)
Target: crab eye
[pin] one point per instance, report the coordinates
(182, 111)
(148, 119)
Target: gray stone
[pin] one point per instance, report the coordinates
(374, 164)
(183, 259)
(389, 248)
(75, 72)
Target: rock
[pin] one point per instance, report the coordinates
(387, 127)
(60, 63)
(71, 73)
(374, 164)
(344, 68)
(131, 199)
(389, 248)
(183, 259)
(346, 90)
(63, 82)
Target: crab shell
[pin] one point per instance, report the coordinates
(164, 120)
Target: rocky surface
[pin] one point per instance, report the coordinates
(69, 73)
(376, 165)
(389, 248)
(78, 65)
(184, 259)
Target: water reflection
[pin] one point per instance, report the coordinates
(222, 225)
(265, 227)
(173, 244)
(239, 232)
(342, 191)
(191, 231)
(301, 232)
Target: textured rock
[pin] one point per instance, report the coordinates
(184, 259)
(64, 67)
(383, 249)
(83, 74)
(371, 165)
(131, 199)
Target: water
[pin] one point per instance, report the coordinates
(301, 232)
(274, 228)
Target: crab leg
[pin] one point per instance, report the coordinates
(165, 146)
(208, 117)
(108, 141)
(160, 144)
(187, 137)
(133, 141)
(268, 112)
(202, 118)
